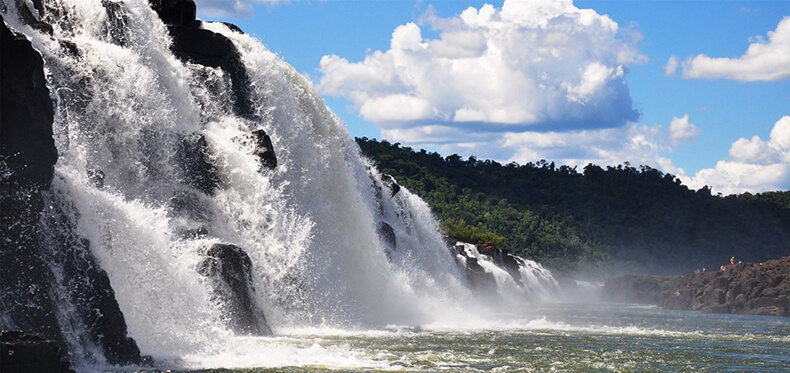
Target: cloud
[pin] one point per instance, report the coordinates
(672, 66)
(754, 165)
(536, 65)
(634, 143)
(763, 61)
(232, 8)
(681, 130)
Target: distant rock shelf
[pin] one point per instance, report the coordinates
(743, 288)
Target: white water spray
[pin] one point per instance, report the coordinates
(309, 226)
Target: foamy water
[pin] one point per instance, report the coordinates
(308, 226)
(578, 337)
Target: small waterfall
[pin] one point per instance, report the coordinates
(523, 279)
(160, 165)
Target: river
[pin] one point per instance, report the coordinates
(556, 337)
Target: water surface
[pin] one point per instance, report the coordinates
(550, 337)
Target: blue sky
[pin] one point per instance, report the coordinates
(588, 81)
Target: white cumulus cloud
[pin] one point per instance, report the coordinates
(754, 165)
(537, 65)
(680, 129)
(763, 60)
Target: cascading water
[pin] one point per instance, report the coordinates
(158, 165)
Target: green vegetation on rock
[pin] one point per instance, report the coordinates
(600, 221)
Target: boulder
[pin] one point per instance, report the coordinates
(229, 270)
(264, 149)
(387, 236)
(390, 182)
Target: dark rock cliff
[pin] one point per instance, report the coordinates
(27, 159)
(80, 299)
(751, 288)
(29, 297)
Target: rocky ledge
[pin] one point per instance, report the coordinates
(31, 352)
(749, 288)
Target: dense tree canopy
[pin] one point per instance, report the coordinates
(598, 220)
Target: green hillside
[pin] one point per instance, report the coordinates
(598, 221)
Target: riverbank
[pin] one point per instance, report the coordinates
(747, 288)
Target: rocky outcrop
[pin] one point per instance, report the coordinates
(27, 159)
(479, 279)
(264, 149)
(30, 352)
(387, 235)
(27, 150)
(116, 27)
(193, 44)
(390, 182)
(751, 288)
(229, 270)
(196, 164)
(503, 259)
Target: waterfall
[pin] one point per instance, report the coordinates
(159, 168)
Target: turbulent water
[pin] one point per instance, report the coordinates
(553, 337)
(124, 104)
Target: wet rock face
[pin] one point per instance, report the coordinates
(752, 288)
(26, 146)
(116, 28)
(207, 48)
(503, 259)
(86, 287)
(30, 12)
(390, 182)
(387, 235)
(176, 12)
(229, 270)
(27, 159)
(196, 164)
(264, 149)
(479, 280)
(31, 352)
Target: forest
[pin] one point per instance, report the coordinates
(598, 221)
